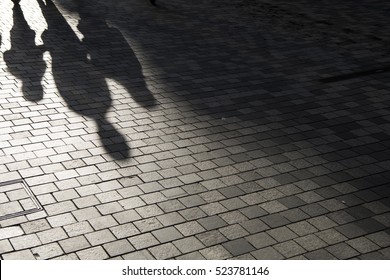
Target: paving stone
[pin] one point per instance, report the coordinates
(282, 234)
(124, 230)
(341, 217)
(260, 240)
(188, 244)
(210, 238)
(215, 253)
(149, 211)
(164, 251)
(386, 253)
(238, 247)
(291, 201)
(363, 245)
(47, 251)
(371, 225)
(119, 247)
(5, 246)
(310, 242)
(212, 222)
(9, 232)
(267, 253)
(126, 216)
(25, 241)
(295, 215)
(148, 224)
(109, 208)
(139, 255)
(51, 235)
(320, 254)
(143, 241)
(74, 244)
(60, 208)
(94, 253)
(381, 238)
(331, 236)
(99, 237)
(191, 201)
(191, 256)
(289, 249)
(86, 201)
(254, 226)
(190, 228)
(86, 214)
(302, 228)
(167, 234)
(103, 222)
(233, 232)
(78, 228)
(131, 203)
(19, 255)
(273, 206)
(171, 205)
(275, 220)
(71, 256)
(233, 217)
(322, 222)
(213, 208)
(171, 219)
(373, 256)
(342, 251)
(60, 220)
(351, 230)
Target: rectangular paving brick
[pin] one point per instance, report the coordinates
(51, 235)
(94, 253)
(143, 241)
(167, 234)
(47, 251)
(217, 252)
(99, 237)
(74, 244)
(289, 249)
(164, 251)
(25, 241)
(119, 247)
(188, 244)
(342, 251)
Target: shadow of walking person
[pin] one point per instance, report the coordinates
(25, 59)
(84, 89)
(111, 54)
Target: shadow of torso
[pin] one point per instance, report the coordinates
(80, 84)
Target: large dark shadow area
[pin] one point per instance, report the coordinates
(335, 133)
(79, 68)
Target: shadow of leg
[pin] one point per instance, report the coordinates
(113, 142)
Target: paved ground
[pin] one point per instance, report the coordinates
(195, 129)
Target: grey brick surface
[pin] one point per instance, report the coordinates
(164, 251)
(119, 247)
(268, 253)
(234, 130)
(94, 253)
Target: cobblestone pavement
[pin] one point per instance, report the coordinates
(195, 129)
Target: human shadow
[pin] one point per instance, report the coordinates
(112, 55)
(83, 88)
(25, 59)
